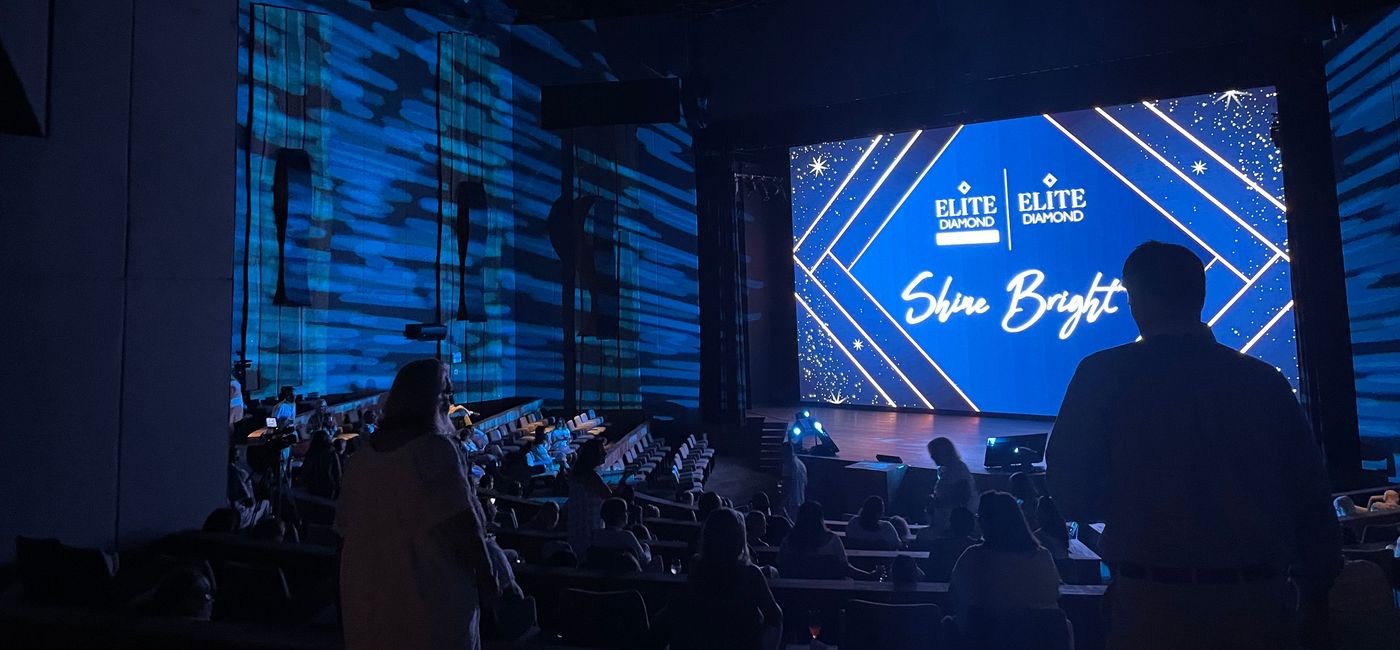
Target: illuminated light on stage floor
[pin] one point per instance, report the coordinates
(863, 433)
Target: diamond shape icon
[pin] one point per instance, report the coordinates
(1049, 180)
(964, 187)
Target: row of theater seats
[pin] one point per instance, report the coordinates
(506, 439)
(648, 461)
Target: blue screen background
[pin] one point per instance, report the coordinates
(1199, 171)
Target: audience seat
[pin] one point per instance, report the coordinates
(868, 625)
(1045, 629)
(594, 619)
(255, 593)
(1363, 607)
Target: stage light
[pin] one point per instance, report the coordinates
(991, 441)
(817, 426)
(806, 413)
(796, 433)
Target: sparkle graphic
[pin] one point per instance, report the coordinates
(1198, 168)
(818, 165)
(1049, 180)
(1232, 96)
(858, 344)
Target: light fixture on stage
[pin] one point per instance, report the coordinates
(1015, 452)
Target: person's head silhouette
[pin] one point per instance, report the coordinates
(419, 398)
(1166, 287)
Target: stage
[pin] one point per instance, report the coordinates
(863, 433)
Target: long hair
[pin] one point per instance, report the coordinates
(942, 451)
(1003, 526)
(871, 512)
(590, 455)
(809, 530)
(419, 398)
(723, 549)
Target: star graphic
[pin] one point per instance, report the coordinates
(1198, 168)
(858, 344)
(1232, 96)
(818, 165)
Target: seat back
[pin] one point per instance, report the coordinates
(602, 619)
(255, 593)
(1361, 587)
(1047, 629)
(879, 626)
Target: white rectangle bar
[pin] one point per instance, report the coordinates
(965, 237)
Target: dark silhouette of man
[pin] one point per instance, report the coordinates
(1200, 462)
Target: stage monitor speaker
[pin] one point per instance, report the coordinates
(1015, 451)
(885, 458)
(646, 101)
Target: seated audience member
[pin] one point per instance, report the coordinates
(812, 551)
(757, 525)
(905, 571)
(537, 455)
(242, 498)
(1023, 488)
(760, 503)
(642, 532)
(503, 517)
(546, 518)
(706, 504)
(1008, 570)
(222, 520)
(726, 602)
(869, 530)
(1388, 501)
(369, 421)
(650, 511)
(943, 552)
(184, 593)
(901, 528)
(778, 529)
(320, 468)
(1051, 530)
(272, 529)
(614, 536)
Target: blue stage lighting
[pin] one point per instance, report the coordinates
(817, 426)
(796, 433)
(806, 413)
(991, 441)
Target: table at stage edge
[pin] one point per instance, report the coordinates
(870, 477)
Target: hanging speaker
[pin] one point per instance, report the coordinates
(470, 226)
(292, 206)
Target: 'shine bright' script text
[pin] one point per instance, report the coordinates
(1027, 305)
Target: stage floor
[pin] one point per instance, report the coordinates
(862, 433)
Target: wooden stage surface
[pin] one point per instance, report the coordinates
(862, 433)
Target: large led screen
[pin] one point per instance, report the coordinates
(970, 268)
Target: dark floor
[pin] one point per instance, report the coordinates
(735, 479)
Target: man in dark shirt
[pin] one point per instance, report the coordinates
(1199, 460)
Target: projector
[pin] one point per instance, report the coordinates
(425, 331)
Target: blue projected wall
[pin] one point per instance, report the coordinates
(1363, 82)
(970, 268)
(386, 119)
